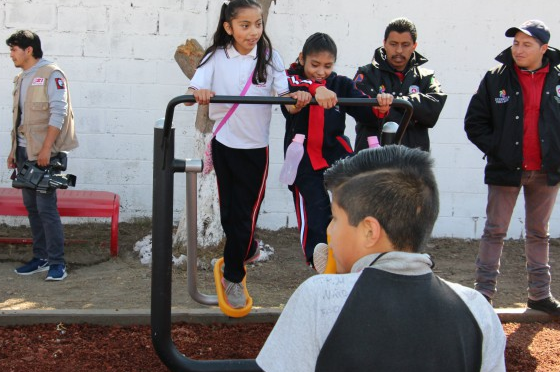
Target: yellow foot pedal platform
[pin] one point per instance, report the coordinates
(220, 290)
(331, 263)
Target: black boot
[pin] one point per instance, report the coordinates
(548, 305)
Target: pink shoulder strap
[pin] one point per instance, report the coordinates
(234, 107)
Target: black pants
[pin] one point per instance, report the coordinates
(313, 207)
(241, 175)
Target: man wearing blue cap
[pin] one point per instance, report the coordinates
(514, 119)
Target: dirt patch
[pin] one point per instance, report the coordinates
(98, 281)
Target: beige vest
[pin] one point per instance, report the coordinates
(37, 114)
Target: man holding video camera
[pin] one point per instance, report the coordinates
(43, 127)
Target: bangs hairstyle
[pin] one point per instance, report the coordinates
(25, 39)
(401, 25)
(221, 38)
(316, 43)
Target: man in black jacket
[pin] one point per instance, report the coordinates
(514, 119)
(395, 69)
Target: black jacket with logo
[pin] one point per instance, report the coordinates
(419, 87)
(494, 121)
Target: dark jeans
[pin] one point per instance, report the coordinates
(44, 219)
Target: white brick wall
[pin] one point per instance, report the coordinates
(119, 60)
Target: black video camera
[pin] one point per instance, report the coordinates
(45, 179)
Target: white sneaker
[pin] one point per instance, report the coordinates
(235, 294)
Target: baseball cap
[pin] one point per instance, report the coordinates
(534, 28)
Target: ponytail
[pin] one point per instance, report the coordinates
(221, 39)
(316, 43)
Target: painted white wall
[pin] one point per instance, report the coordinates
(118, 57)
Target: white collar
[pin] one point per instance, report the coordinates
(231, 52)
(397, 262)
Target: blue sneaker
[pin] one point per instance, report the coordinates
(36, 265)
(57, 272)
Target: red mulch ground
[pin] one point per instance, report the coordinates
(82, 347)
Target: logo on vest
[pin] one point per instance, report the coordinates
(413, 89)
(382, 89)
(503, 97)
(38, 81)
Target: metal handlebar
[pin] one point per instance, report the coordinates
(397, 103)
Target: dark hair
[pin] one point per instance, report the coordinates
(25, 39)
(393, 184)
(222, 39)
(386, 157)
(401, 25)
(316, 43)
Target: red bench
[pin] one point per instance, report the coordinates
(71, 203)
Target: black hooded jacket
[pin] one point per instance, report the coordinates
(419, 87)
(494, 121)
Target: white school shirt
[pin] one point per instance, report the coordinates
(226, 73)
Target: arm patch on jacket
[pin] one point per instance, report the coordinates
(60, 83)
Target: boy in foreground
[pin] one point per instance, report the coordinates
(385, 310)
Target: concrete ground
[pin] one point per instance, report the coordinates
(204, 315)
